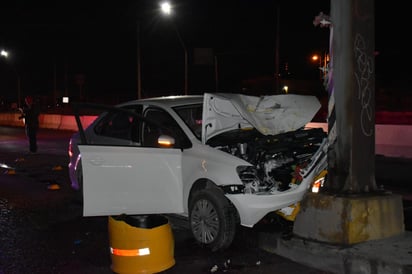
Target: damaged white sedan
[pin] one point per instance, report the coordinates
(218, 159)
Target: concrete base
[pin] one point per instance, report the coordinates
(349, 220)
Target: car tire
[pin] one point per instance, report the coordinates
(212, 219)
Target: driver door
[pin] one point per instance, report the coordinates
(131, 179)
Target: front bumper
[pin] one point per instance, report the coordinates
(252, 208)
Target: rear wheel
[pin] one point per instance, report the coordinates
(212, 219)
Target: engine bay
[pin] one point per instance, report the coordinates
(277, 158)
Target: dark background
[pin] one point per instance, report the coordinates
(90, 48)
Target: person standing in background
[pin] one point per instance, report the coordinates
(30, 114)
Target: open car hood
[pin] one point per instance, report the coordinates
(270, 115)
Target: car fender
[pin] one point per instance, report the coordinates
(203, 162)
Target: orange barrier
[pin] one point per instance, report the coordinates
(140, 244)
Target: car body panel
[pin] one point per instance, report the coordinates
(103, 165)
(270, 115)
(115, 180)
(252, 208)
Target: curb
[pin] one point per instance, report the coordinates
(387, 256)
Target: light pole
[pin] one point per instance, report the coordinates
(277, 47)
(323, 63)
(5, 54)
(166, 9)
(139, 63)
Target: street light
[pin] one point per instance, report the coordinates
(167, 10)
(5, 54)
(323, 63)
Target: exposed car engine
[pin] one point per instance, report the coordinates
(276, 158)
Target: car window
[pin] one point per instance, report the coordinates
(119, 125)
(192, 116)
(163, 124)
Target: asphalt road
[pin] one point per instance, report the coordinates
(42, 230)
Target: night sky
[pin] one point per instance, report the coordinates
(92, 45)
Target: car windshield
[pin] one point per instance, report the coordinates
(192, 116)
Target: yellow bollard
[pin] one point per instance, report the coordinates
(140, 244)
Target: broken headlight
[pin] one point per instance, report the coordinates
(249, 177)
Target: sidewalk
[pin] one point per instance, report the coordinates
(388, 256)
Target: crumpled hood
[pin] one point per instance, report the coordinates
(270, 115)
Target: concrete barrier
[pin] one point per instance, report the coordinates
(50, 120)
(394, 140)
(68, 122)
(11, 119)
(391, 140)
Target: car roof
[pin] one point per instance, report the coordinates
(167, 101)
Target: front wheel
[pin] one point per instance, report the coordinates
(212, 219)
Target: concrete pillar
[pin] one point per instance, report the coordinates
(351, 120)
(350, 208)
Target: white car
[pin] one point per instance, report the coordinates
(218, 159)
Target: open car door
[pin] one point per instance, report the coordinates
(129, 179)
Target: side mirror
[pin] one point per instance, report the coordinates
(166, 141)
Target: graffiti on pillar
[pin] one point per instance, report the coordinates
(363, 75)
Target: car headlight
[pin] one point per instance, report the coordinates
(319, 181)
